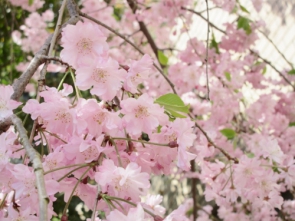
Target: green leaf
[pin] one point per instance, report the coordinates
(292, 72)
(118, 12)
(227, 76)
(250, 155)
(214, 44)
(159, 129)
(31, 2)
(174, 113)
(173, 104)
(292, 124)
(162, 58)
(264, 70)
(244, 23)
(228, 133)
(244, 9)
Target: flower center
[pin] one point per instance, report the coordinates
(99, 75)
(90, 153)
(62, 116)
(118, 187)
(3, 105)
(141, 112)
(99, 117)
(84, 46)
(135, 78)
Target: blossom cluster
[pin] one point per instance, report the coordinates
(106, 136)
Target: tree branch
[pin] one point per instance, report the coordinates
(214, 145)
(37, 165)
(145, 31)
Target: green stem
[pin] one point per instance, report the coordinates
(42, 146)
(48, 147)
(54, 135)
(75, 187)
(2, 203)
(140, 141)
(67, 174)
(76, 89)
(117, 152)
(69, 166)
(62, 81)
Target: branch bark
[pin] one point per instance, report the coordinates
(37, 165)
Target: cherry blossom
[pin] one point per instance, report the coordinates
(6, 104)
(142, 115)
(84, 48)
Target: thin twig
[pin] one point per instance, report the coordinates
(97, 198)
(217, 147)
(207, 51)
(37, 165)
(54, 37)
(278, 50)
(145, 31)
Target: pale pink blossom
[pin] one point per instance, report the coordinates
(23, 215)
(7, 105)
(142, 115)
(123, 182)
(82, 44)
(134, 214)
(104, 76)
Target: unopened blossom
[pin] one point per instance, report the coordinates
(7, 105)
(82, 44)
(104, 76)
(142, 115)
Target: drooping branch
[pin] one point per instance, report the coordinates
(252, 51)
(145, 31)
(53, 39)
(37, 165)
(214, 145)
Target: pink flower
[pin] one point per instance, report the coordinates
(142, 115)
(83, 43)
(6, 104)
(152, 203)
(105, 77)
(94, 119)
(137, 73)
(123, 182)
(24, 215)
(134, 214)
